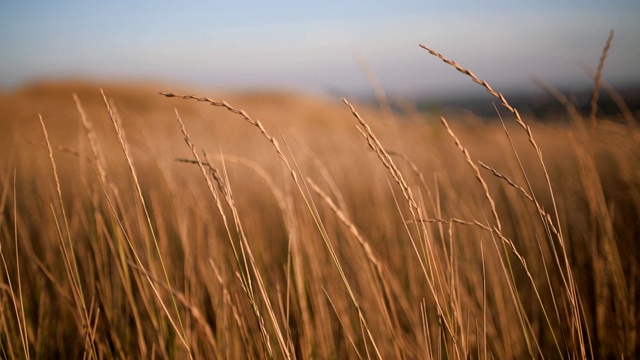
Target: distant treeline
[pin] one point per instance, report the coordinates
(540, 104)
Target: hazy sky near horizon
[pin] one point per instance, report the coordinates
(317, 46)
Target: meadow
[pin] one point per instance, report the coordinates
(136, 222)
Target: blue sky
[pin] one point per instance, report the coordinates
(316, 46)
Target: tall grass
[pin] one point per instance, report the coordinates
(140, 232)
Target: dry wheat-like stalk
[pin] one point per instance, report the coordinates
(615, 97)
(596, 81)
(179, 327)
(578, 320)
(416, 213)
(476, 171)
(309, 202)
(69, 256)
(17, 301)
(243, 266)
(376, 146)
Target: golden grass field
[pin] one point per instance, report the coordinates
(137, 225)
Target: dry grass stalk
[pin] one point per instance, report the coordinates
(123, 144)
(245, 251)
(17, 301)
(434, 281)
(300, 186)
(578, 321)
(616, 98)
(380, 281)
(69, 257)
(375, 145)
(596, 81)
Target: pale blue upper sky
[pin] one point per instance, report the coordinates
(315, 46)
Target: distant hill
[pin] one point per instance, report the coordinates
(149, 117)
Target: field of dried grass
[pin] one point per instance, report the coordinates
(136, 225)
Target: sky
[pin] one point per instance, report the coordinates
(320, 46)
